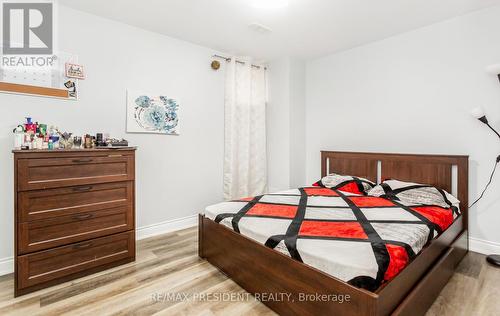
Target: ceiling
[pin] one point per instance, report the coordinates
(305, 28)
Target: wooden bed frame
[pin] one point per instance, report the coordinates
(259, 269)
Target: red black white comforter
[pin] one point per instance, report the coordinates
(362, 240)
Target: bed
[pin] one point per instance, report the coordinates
(291, 287)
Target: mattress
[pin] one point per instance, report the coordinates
(363, 240)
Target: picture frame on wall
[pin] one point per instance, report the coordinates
(152, 113)
(74, 71)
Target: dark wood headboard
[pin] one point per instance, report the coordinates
(436, 170)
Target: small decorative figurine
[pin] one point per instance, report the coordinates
(66, 141)
(77, 141)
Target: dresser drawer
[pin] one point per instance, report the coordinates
(43, 204)
(64, 261)
(54, 172)
(63, 230)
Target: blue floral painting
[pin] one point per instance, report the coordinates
(152, 114)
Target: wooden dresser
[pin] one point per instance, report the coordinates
(74, 214)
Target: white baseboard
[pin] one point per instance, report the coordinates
(7, 264)
(166, 227)
(483, 246)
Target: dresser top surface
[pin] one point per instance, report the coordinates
(74, 150)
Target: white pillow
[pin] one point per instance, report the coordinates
(337, 181)
(410, 193)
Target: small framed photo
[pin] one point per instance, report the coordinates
(75, 71)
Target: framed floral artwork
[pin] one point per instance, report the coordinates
(154, 114)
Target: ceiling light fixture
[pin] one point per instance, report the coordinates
(269, 4)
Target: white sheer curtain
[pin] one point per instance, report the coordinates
(245, 163)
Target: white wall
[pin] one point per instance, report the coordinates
(286, 124)
(297, 123)
(413, 93)
(176, 176)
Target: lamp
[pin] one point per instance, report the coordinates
(478, 113)
(494, 70)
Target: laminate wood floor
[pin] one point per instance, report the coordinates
(169, 264)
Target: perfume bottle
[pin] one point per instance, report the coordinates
(18, 137)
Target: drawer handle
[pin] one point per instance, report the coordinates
(82, 217)
(83, 245)
(82, 189)
(82, 160)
